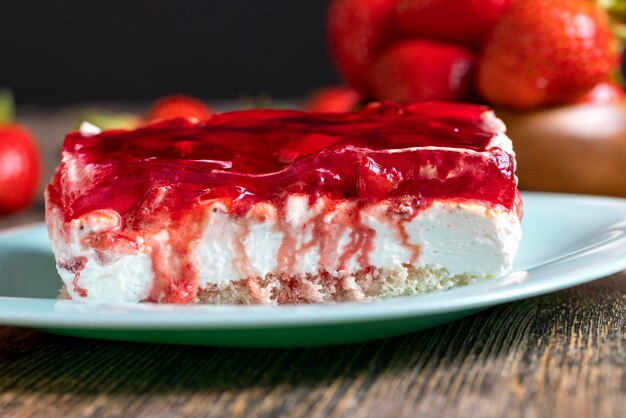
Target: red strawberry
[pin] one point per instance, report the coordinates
(20, 164)
(465, 22)
(333, 100)
(179, 106)
(603, 92)
(419, 70)
(546, 51)
(356, 30)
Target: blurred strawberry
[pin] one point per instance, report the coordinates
(336, 99)
(419, 70)
(20, 163)
(356, 30)
(465, 22)
(179, 106)
(603, 92)
(546, 51)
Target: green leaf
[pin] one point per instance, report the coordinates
(616, 8)
(109, 120)
(7, 107)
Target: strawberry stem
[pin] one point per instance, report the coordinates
(7, 107)
(616, 8)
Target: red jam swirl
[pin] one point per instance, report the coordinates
(262, 155)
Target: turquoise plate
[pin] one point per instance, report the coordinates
(568, 240)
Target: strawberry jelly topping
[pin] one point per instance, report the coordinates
(262, 155)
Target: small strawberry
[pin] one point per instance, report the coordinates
(179, 106)
(356, 30)
(20, 163)
(419, 70)
(603, 92)
(336, 99)
(464, 22)
(546, 51)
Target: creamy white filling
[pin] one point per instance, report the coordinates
(466, 238)
(122, 278)
(463, 238)
(88, 129)
(127, 279)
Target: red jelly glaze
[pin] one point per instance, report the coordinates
(157, 173)
(260, 155)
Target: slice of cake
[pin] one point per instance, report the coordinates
(274, 206)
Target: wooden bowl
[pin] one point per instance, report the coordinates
(575, 149)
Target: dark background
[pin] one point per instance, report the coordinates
(67, 51)
(58, 52)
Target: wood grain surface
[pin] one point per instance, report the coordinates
(560, 355)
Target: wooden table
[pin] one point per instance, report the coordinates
(559, 355)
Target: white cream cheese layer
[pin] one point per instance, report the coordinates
(463, 238)
(115, 277)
